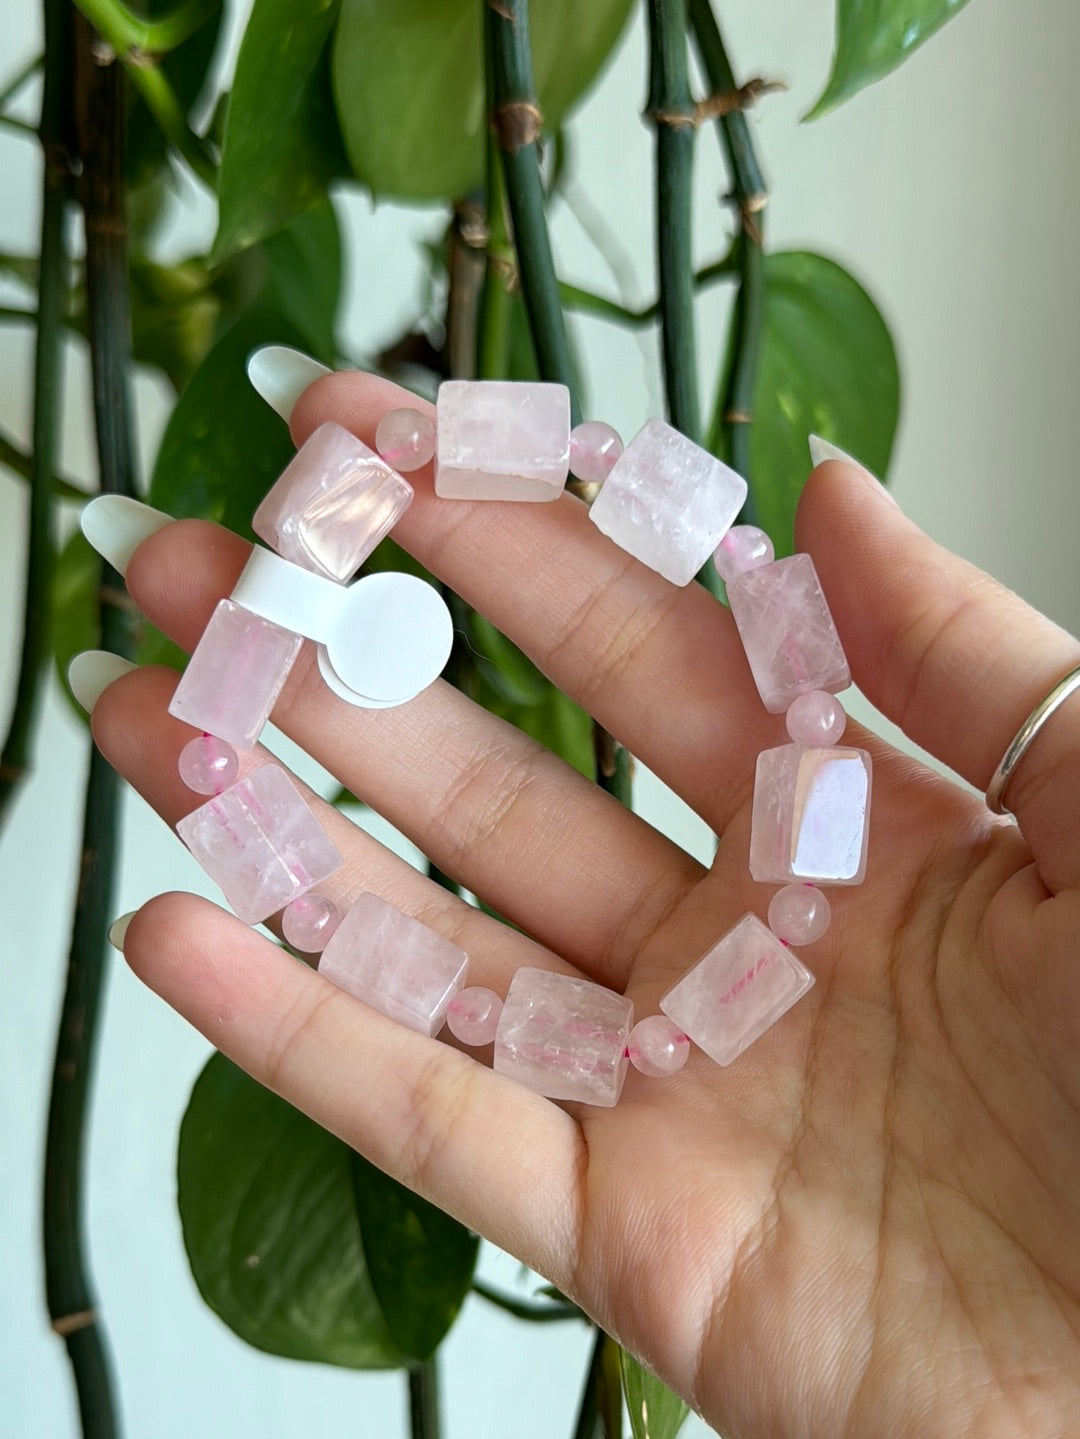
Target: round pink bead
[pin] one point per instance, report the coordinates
(473, 1016)
(799, 914)
(308, 922)
(406, 439)
(743, 548)
(208, 765)
(816, 718)
(657, 1047)
(594, 448)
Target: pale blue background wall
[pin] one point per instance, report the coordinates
(951, 190)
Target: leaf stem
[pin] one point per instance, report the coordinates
(424, 1400)
(523, 1309)
(600, 1414)
(134, 38)
(19, 79)
(671, 110)
(575, 298)
(22, 465)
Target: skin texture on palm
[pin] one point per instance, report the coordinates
(868, 1224)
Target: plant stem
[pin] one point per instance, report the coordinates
(523, 1309)
(133, 37)
(732, 413)
(18, 80)
(671, 109)
(52, 303)
(600, 1414)
(424, 1400)
(517, 122)
(22, 465)
(575, 298)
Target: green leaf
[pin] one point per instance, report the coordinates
(873, 37)
(655, 1412)
(269, 1222)
(827, 367)
(282, 143)
(419, 1260)
(223, 446)
(409, 84)
(303, 276)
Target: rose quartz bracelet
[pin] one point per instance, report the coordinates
(665, 501)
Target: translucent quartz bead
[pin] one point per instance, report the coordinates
(564, 1037)
(815, 718)
(657, 1047)
(406, 439)
(736, 990)
(799, 914)
(473, 1016)
(594, 448)
(811, 815)
(395, 964)
(208, 765)
(501, 440)
(743, 548)
(234, 675)
(260, 843)
(667, 502)
(309, 922)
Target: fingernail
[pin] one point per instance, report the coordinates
(822, 450)
(116, 526)
(119, 928)
(92, 672)
(281, 375)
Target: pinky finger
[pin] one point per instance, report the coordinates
(425, 1113)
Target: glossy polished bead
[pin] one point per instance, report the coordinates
(816, 719)
(594, 448)
(332, 504)
(501, 440)
(811, 813)
(667, 502)
(657, 1047)
(473, 1015)
(743, 548)
(309, 922)
(234, 675)
(564, 1037)
(406, 439)
(787, 631)
(395, 964)
(260, 843)
(799, 914)
(208, 765)
(737, 990)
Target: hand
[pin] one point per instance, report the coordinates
(868, 1225)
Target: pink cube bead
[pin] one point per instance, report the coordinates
(234, 675)
(208, 765)
(309, 922)
(737, 990)
(594, 448)
(332, 504)
(406, 439)
(657, 1047)
(473, 1016)
(811, 815)
(260, 843)
(564, 1037)
(787, 631)
(394, 964)
(501, 440)
(667, 502)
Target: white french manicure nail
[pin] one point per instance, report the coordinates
(116, 526)
(92, 672)
(822, 450)
(119, 928)
(281, 375)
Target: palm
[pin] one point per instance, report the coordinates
(867, 1222)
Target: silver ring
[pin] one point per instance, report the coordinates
(995, 790)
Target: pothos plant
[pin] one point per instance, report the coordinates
(298, 1244)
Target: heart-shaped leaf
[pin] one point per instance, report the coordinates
(827, 367)
(409, 84)
(874, 37)
(269, 1220)
(655, 1412)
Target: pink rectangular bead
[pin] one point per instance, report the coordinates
(564, 1037)
(394, 964)
(259, 842)
(235, 675)
(811, 816)
(501, 440)
(668, 502)
(787, 631)
(332, 504)
(737, 990)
